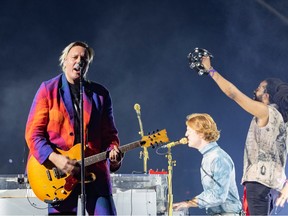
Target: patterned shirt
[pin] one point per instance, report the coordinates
(266, 151)
(220, 193)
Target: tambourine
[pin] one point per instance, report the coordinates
(195, 60)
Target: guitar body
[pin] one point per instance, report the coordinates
(47, 182)
(52, 186)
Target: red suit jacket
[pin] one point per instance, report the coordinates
(51, 124)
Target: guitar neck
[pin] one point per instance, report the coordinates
(103, 155)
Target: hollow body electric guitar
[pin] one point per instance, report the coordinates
(51, 185)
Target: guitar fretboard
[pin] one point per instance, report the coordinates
(103, 155)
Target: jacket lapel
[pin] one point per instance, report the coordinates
(66, 98)
(89, 97)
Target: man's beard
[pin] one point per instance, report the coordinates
(257, 98)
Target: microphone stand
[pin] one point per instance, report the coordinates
(141, 132)
(171, 163)
(83, 195)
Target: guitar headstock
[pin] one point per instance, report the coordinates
(195, 60)
(157, 138)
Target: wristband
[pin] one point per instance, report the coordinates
(211, 71)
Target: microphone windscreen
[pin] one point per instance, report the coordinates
(184, 140)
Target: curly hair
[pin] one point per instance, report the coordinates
(278, 94)
(204, 124)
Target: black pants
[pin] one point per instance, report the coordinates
(259, 199)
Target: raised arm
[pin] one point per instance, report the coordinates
(257, 109)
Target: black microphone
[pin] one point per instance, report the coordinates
(80, 66)
(82, 63)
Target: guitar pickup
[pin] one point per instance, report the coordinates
(48, 175)
(56, 172)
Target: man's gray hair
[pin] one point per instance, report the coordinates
(66, 50)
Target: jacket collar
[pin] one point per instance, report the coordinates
(67, 99)
(209, 147)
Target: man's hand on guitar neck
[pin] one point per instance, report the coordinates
(65, 164)
(115, 158)
(115, 155)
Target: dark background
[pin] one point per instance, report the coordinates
(141, 49)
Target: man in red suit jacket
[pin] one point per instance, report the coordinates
(54, 122)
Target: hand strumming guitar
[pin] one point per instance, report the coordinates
(64, 163)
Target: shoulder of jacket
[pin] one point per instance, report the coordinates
(96, 87)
